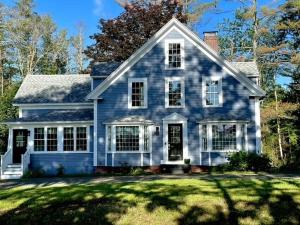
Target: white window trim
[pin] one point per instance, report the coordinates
(130, 81)
(167, 80)
(209, 137)
(60, 140)
(214, 78)
(141, 138)
(181, 42)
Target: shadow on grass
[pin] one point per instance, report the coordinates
(216, 202)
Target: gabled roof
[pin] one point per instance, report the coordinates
(174, 23)
(37, 89)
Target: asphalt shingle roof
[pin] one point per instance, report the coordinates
(248, 68)
(59, 115)
(53, 89)
(104, 68)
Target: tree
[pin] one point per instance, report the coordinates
(121, 37)
(77, 43)
(34, 43)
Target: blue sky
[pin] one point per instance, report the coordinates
(69, 13)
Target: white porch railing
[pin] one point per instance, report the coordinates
(25, 160)
(5, 160)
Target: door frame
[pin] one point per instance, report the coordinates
(14, 142)
(175, 118)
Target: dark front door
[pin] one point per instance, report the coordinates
(175, 145)
(19, 144)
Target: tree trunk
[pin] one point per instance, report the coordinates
(278, 123)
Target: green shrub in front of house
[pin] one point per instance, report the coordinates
(246, 161)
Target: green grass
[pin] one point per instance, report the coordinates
(180, 201)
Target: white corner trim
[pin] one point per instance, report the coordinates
(193, 38)
(132, 80)
(257, 126)
(204, 80)
(95, 132)
(175, 118)
(182, 52)
(182, 83)
(20, 113)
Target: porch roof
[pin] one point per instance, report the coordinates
(130, 120)
(64, 116)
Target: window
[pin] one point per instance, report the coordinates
(175, 92)
(81, 139)
(137, 93)
(223, 137)
(68, 139)
(39, 139)
(52, 139)
(127, 138)
(231, 136)
(174, 54)
(108, 138)
(212, 92)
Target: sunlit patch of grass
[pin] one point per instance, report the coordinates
(176, 201)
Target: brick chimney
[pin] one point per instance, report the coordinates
(211, 38)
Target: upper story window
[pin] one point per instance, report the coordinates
(137, 93)
(174, 96)
(212, 92)
(174, 54)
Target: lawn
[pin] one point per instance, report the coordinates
(169, 201)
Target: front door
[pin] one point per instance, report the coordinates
(19, 144)
(175, 144)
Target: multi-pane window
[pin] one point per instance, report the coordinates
(108, 138)
(174, 92)
(224, 137)
(39, 139)
(137, 96)
(137, 93)
(52, 139)
(174, 55)
(212, 92)
(68, 139)
(81, 139)
(127, 138)
(243, 136)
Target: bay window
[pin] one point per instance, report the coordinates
(128, 138)
(223, 136)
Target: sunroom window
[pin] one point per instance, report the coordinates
(52, 139)
(39, 139)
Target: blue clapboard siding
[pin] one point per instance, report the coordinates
(73, 163)
(237, 105)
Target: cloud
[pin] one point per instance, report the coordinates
(98, 10)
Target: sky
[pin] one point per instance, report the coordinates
(67, 14)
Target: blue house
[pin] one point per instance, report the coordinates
(174, 100)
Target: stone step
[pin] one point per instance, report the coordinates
(11, 176)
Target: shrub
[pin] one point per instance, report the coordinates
(34, 173)
(243, 161)
(137, 171)
(60, 171)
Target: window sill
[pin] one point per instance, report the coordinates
(212, 106)
(143, 107)
(179, 68)
(225, 151)
(175, 107)
(59, 152)
(140, 152)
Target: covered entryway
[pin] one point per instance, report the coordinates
(19, 144)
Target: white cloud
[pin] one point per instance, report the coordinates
(98, 10)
